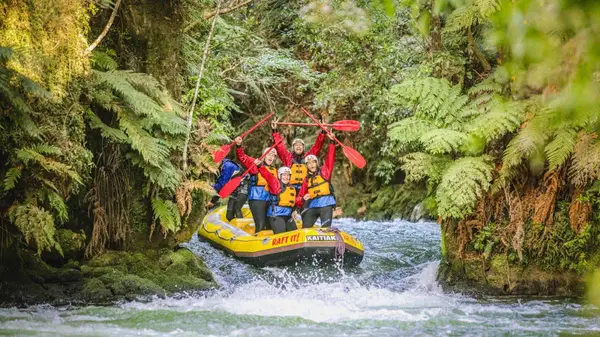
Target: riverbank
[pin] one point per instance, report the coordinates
(106, 278)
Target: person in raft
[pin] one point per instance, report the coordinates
(227, 170)
(283, 198)
(317, 191)
(258, 196)
(295, 159)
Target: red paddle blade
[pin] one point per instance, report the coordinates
(221, 153)
(230, 187)
(355, 157)
(346, 125)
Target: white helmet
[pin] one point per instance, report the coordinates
(297, 140)
(267, 149)
(311, 157)
(282, 170)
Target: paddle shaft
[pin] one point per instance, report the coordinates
(321, 126)
(346, 125)
(256, 125)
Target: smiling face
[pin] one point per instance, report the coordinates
(312, 166)
(285, 178)
(270, 157)
(298, 148)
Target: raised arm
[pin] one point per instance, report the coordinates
(316, 148)
(284, 154)
(272, 181)
(245, 160)
(327, 167)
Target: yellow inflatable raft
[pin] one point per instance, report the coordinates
(267, 249)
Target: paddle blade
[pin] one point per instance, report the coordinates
(221, 153)
(355, 157)
(346, 125)
(230, 187)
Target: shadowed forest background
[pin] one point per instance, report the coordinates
(485, 112)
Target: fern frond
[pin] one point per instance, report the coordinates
(561, 147)
(167, 213)
(438, 101)
(585, 167)
(37, 226)
(461, 18)
(149, 147)
(440, 141)
(58, 204)
(103, 61)
(530, 139)
(36, 154)
(11, 178)
(107, 132)
(408, 131)
(462, 184)
(504, 118)
(141, 94)
(419, 166)
(200, 185)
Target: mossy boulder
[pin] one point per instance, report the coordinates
(154, 272)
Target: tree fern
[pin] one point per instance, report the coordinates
(471, 13)
(440, 141)
(167, 213)
(504, 118)
(437, 101)
(419, 166)
(408, 131)
(462, 184)
(141, 94)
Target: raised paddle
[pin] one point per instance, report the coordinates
(345, 125)
(350, 153)
(235, 182)
(224, 150)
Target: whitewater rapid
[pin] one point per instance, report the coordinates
(392, 293)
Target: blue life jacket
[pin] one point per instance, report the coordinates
(227, 170)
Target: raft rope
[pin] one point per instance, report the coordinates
(340, 245)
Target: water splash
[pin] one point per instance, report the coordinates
(392, 293)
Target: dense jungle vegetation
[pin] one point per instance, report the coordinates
(486, 111)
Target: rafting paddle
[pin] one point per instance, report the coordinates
(350, 153)
(235, 182)
(224, 150)
(345, 125)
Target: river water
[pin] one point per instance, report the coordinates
(392, 293)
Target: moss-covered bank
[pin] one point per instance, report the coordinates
(112, 276)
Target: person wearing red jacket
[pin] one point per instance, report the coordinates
(283, 199)
(258, 196)
(295, 159)
(316, 192)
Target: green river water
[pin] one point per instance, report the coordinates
(392, 293)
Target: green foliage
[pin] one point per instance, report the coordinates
(167, 213)
(485, 240)
(37, 226)
(463, 183)
(147, 120)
